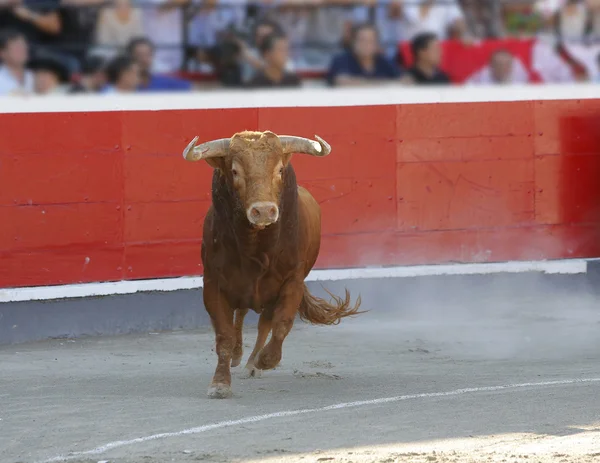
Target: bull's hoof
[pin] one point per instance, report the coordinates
(238, 353)
(268, 360)
(250, 371)
(219, 391)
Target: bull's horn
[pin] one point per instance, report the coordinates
(210, 149)
(305, 145)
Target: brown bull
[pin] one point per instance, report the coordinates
(261, 238)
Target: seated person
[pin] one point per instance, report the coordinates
(364, 64)
(275, 54)
(251, 58)
(93, 76)
(15, 78)
(427, 56)
(142, 51)
(50, 76)
(503, 69)
(123, 75)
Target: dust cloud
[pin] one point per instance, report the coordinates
(498, 316)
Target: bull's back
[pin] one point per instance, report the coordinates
(310, 228)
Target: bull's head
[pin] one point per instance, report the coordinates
(254, 165)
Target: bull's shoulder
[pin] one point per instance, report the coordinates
(306, 197)
(303, 191)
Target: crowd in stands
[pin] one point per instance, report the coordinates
(125, 46)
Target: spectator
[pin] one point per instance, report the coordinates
(42, 23)
(93, 76)
(331, 26)
(226, 59)
(522, 19)
(251, 57)
(275, 54)
(79, 19)
(393, 26)
(163, 20)
(123, 75)
(426, 53)
(364, 64)
(118, 25)
(594, 8)
(573, 20)
(434, 17)
(503, 69)
(293, 18)
(483, 17)
(142, 51)
(211, 21)
(14, 54)
(50, 76)
(37, 20)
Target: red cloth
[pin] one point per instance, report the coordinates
(461, 61)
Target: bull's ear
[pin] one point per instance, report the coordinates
(216, 163)
(272, 140)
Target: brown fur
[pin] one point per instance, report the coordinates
(261, 269)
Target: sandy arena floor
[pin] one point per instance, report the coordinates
(424, 387)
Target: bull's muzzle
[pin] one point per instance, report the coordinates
(262, 213)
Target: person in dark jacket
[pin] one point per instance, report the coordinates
(364, 63)
(51, 76)
(427, 56)
(93, 76)
(274, 50)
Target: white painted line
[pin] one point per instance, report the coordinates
(306, 97)
(569, 266)
(44, 293)
(270, 416)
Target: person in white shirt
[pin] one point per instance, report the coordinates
(431, 16)
(503, 69)
(15, 79)
(163, 22)
(573, 20)
(393, 26)
(211, 18)
(118, 24)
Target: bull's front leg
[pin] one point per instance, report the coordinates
(264, 328)
(238, 350)
(221, 316)
(283, 319)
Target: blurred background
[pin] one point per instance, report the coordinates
(125, 46)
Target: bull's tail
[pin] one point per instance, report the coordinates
(318, 311)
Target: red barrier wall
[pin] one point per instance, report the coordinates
(107, 196)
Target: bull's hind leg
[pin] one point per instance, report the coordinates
(283, 320)
(221, 316)
(264, 328)
(238, 350)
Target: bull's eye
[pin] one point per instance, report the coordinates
(234, 172)
(281, 171)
